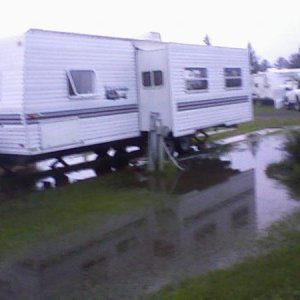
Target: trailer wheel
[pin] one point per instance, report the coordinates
(120, 159)
(297, 104)
(61, 180)
(184, 144)
(103, 165)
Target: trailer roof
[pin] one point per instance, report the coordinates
(125, 39)
(89, 35)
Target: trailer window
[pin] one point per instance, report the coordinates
(81, 82)
(146, 79)
(195, 79)
(158, 78)
(233, 77)
(152, 78)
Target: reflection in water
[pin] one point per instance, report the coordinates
(272, 198)
(199, 174)
(218, 210)
(253, 140)
(141, 251)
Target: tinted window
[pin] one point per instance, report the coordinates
(232, 72)
(191, 85)
(158, 78)
(234, 82)
(195, 79)
(233, 77)
(146, 79)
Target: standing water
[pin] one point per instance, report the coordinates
(217, 209)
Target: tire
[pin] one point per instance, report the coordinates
(120, 159)
(103, 165)
(184, 144)
(61, 180)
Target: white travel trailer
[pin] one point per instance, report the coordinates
(270, 86)
(63, 93)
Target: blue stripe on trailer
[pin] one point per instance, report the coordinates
(191, 105)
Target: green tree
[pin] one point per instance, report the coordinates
(253, 60)
(295, 60)
(206, 40)
(282, 63)
(264, 65)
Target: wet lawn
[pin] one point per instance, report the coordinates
(265, 117)
(36, 216)
(275, 275)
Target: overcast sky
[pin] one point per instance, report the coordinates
(271, 26)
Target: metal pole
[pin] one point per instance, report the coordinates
(152, 143)
(160, 146)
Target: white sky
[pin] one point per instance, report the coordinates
(272, 27)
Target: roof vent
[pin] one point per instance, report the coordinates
(153, 36)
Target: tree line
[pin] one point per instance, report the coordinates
(257, 65)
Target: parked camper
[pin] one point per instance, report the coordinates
(270, 86)
(292, 96)
(63, 93)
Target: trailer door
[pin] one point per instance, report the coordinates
(153, 84)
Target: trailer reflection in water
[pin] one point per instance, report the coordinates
(203, 228)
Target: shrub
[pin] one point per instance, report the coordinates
(292, 146)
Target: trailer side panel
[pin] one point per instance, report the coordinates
(13, 138)
(81, 81)
(210, 86)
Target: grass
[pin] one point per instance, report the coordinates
(265, 108)
(264, 117)
(37, 216)
(274, 275)
(287, 171)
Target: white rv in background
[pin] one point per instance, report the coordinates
(271, 86)
(63, 93)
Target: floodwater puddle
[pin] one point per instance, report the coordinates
(220, 206)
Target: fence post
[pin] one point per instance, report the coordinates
(152, 143)
(160, 146)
